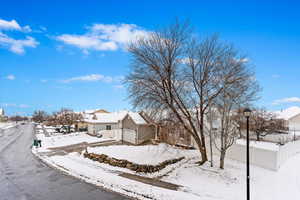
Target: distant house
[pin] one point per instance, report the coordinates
(294, 123)
(95, 111)
(87, 114)
(291, 116)
(129, 126)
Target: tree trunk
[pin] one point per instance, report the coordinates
(203, 147)
(222, 159)
(257, 136)
(211, 151)
(210, 137)
(202, 152)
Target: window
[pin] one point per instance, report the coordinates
(108, 127)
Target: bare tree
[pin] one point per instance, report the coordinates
(39, 116)
(66, 118)
(210, 127)
(172, 72)
(264, 123)
(18, 118)
(241, 91)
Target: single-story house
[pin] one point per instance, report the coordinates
(291, 116)
(83, 125)
(127, 126)
(294, 123)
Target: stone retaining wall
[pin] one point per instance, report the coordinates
(102, 158)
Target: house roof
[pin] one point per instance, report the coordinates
(137, 118)
(95, 111)
(114, 117)
(288, 113)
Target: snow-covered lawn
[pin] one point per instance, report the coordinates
(65, 140)
(148, 154)
(199, 182)
(229, 184)
(6, 125)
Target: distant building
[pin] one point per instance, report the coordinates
(291, 116)
(87, 114)
(2, 113)
(131, 127)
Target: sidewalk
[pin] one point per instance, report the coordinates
(151, 181)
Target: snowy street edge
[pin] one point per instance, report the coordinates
(126, 193)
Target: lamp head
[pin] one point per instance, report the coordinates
(247, 112)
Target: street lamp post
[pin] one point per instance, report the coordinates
(247, 113)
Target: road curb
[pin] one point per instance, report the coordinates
(64, 172)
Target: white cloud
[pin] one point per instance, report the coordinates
(9, 25)
(104, 37)
(93, 78)
(13, 25)
(14, 105)
(87, 42)
(10, 77)
(27, 29)
(17, 45)
(286, 100)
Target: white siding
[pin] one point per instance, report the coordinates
(94, 128)
(294, 123)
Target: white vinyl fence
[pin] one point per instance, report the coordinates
(263, 154)
(269, 158)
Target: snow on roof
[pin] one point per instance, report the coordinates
(89, 111)
(288, 113)
(114, 117)
(137, 118)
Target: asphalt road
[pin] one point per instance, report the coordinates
(23, 177)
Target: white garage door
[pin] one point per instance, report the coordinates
(129, 136)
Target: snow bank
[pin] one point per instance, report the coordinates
(7, 125)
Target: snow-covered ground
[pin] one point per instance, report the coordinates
(6, 125)
(199, 182)
(229, 184)
(148, 154)
(65, 140)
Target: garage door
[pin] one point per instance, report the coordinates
(129, 136)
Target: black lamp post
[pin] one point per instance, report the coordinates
(247, 113)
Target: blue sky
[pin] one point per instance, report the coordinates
(71, 54)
